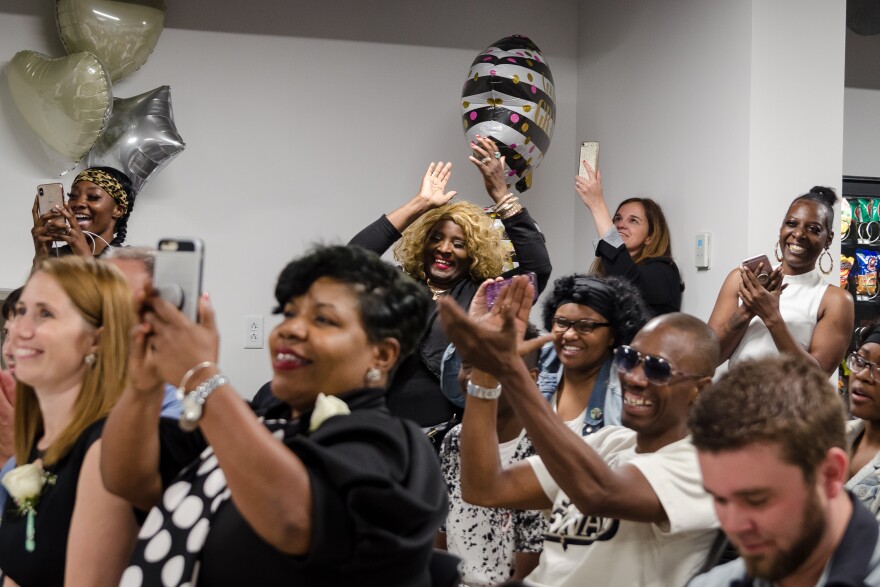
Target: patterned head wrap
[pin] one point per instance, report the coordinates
(106, 182)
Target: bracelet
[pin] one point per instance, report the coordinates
(503, 200)
(483, 392)
(193, 403)
(515, 209)
(181, 389)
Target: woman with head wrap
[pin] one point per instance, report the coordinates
(588, 317)
(450, 248)
(94, 219)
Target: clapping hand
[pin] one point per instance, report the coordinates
(759, 300)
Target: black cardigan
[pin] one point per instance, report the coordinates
(415, 391)
(657, 278)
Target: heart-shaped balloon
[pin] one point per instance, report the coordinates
(141, 136)
(509, 96)
(121, 34)
(67, 101)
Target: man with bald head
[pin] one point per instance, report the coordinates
(627, 503)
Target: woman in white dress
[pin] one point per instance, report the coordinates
(797, 311)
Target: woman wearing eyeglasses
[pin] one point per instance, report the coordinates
(863, 433)
(588, 317)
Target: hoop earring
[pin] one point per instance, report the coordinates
(778, 252)
(373, 375)
(830, 262)
(90, 359)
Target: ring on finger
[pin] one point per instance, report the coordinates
(485, 160)
(497, 154)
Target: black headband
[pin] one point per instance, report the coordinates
(873, 337)
(595, 294)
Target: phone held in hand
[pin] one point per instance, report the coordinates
(766, 268)
(493, 290)
(49, 195)
(177, 273)
(590, 154)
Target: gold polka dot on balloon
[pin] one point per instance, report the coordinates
(525, 126)
(465, 104)
(531, 64)
(515, 79)
(517, 156)
(527, 108)
(527, 141)
(476, 76)
(530, 76)
(529, 161)
(465, 124)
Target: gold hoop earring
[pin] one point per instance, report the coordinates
(830, 262)
(778, 252)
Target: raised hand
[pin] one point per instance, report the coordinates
(489, 161)
(433, 184)
(756, 298)
(490, 344)
(590, 188)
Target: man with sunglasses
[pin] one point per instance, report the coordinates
(627, 503)
(772, 448)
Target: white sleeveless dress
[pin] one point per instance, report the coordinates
(799, 307)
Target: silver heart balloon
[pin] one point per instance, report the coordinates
(122, 34)
(141, 136)
(66, 101)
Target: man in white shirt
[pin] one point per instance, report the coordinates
(772, 448)
(628, 507)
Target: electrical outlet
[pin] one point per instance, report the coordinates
(253, 331)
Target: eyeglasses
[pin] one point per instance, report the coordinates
(857, 363)
(582, 326)
(657, 369)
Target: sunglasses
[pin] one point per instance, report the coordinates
(857, 363)
(582, 326)
(657, 369)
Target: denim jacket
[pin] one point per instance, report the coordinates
(864, 485)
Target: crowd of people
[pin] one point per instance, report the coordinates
(418, 430)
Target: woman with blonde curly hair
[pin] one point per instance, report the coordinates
(451, 248)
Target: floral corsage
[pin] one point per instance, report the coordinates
(25, 485)
(325, 407)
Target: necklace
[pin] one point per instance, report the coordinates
(436, 292)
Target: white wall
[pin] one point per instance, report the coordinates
(293, 140)
(721, 111)
(861, 132)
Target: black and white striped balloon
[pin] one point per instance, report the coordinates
(509, 96)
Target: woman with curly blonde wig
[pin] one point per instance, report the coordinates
(451, 248)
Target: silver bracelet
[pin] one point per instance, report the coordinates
(181, 389)
(193, 403)
(481, 392)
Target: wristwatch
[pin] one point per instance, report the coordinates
(195, 400)
(483, 392)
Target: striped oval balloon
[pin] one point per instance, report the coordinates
(509, 96)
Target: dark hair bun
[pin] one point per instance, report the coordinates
(824, 195)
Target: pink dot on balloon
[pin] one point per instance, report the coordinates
(473, 115)
(511, 59)
(532, 148)
(491, 72)
(511, 173)
(520, 54)
(514, 117)
(534, 90)
(487, 58)
(513, 146)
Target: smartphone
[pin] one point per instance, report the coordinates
(494, 289)
(177, 273)
(766, 268)
(590, 154)
(50, 195)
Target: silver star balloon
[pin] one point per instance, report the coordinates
(141, 136)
